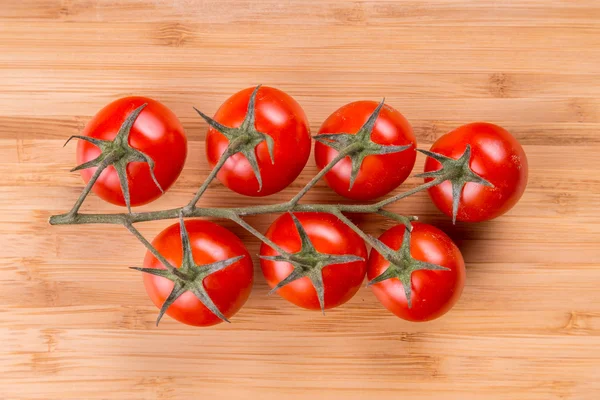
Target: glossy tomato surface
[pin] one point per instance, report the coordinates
(156, 132)
(433, 292)
(277, 115)
(328, 235)
(379, 174)
(229, 288)
(496, 156)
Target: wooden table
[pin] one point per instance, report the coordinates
(75, 322)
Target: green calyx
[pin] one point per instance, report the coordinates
(359, 145)
(308, 262)
(245, 138)
(119, 154)
(189, 276)
(402, 265)
(458, 172)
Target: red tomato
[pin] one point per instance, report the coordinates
(496, 156)
(276, 114)
(228, 288)
(433, 292)
(379, 174)
(156, 132)
(329, 236)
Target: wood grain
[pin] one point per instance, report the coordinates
(75, 323)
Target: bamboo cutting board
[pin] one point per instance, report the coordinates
(75, 322)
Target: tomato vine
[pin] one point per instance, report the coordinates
(244, 139)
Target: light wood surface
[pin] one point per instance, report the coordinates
(75, 322)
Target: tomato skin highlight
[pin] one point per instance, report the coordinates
(156, 132)
(229, 288)
(329, 235)
(496, 156)
(277, 115)
(379, 174)
(433, 292)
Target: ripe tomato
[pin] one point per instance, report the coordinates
(328, 235)
(496, 156)
(228, 288)
(156, 132)
(434, 292)
(277, 115)
(379, 174)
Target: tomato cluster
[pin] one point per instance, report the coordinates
(259, 142)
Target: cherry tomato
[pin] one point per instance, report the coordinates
(228, 288)
(156, 132)
(379, 174)
(496, 156)
(276, 114)
(329, 236)
(433, 292)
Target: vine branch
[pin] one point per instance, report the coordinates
(244, 139)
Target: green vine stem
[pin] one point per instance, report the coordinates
(245, 139)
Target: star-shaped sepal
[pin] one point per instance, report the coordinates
(119, 154)
(189, 276)
(308, 262)
(359, 145)
(402, 265)
(458, 172)
(244, 138)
